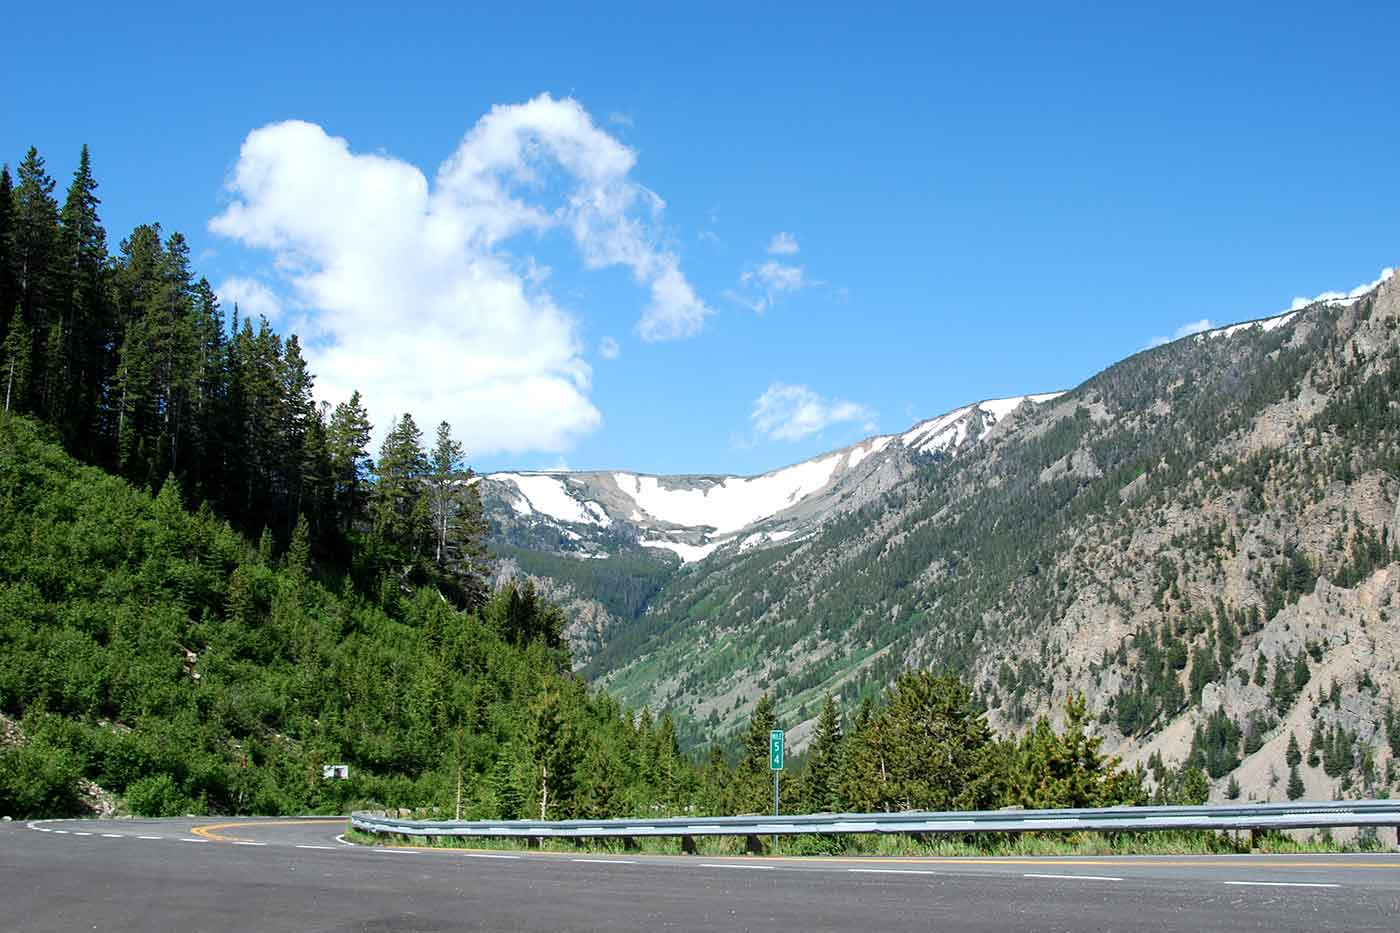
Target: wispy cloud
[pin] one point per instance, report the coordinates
(609, 349)
(421, 303)
(1185, 330)
(783, 244)
(791, 412)
(762, 285)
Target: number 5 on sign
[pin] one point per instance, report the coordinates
(775, 750)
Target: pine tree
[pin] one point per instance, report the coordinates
(458, 528)
(9, 296)
(1295, 782)
(78, 367)
(398, 508)
(1294, 755)
(347, 443)
(819, 784)
(752, 790)
(944, 746)
(34, 220)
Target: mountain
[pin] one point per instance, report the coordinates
(592, 514)
(634, 529)
(1201, 539)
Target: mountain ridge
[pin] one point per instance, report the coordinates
(1143, 539)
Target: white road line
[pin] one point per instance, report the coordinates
(76, 833)
(890, 871)
(486, 855)
(326, 848)
(183, 839)
(113, 836)
(1285, 884)
(150, 837)
(250, 843)
(604, 861)
(749, 867)
(395, 851)
(61, 832)
(342, 840)
(1072, 877)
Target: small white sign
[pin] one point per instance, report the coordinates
(335, 772)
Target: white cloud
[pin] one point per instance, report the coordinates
(1356, 292)
(254, 299)
(764, 285)
(419, 304)
(621, 119)
(1185, 330)
(792, 412)
(609, 349)
(783, 244)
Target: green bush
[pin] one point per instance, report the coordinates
(157, 795)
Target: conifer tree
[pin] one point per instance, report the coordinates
(398, 508)
(77, 368)
(34, 220)
(9, 297)
(458, 528)
(752, 790)
(1295, 783)
(347, 446)
(1294, 755)
(820, 783)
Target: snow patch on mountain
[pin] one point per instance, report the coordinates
(729, 504)
(547, 494)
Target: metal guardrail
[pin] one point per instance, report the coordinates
(1295, 815)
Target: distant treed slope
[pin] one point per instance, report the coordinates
(1145, 538)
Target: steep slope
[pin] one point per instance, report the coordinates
(1201, 539)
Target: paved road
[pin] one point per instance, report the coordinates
(295, 875)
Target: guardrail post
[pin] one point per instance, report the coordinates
(629, 843)
(753, 845)
(688, 843)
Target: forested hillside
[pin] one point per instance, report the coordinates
(1201, 539)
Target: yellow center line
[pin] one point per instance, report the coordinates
(210, 830)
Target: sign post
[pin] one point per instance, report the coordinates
(775, 764)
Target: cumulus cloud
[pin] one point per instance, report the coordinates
(609, 349)
(783, 244)
(419, 303)
(792, 412)
(1185, 330)
(254, 299)
(1356, 292)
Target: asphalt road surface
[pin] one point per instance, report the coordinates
(296, 875)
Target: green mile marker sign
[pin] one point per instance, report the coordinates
(775, 750)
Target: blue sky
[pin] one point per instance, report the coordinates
(984, 201)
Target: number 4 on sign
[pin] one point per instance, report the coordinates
(775, 750)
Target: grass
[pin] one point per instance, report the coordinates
(947, 846)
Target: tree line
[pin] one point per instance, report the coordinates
(131, 360)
